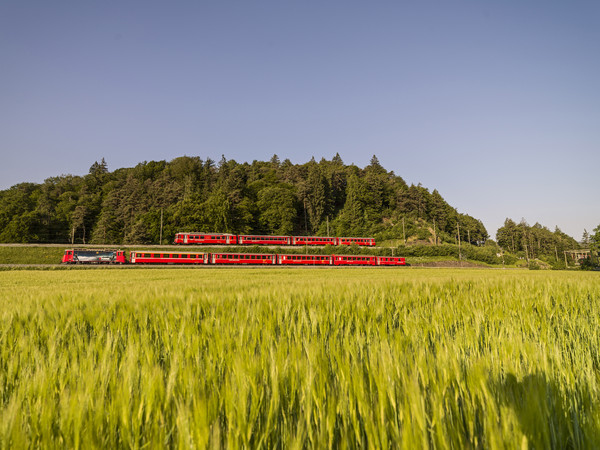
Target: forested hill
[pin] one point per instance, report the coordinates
(125, 206)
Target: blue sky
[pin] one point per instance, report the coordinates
(494, 104)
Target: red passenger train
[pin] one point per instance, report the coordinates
(195, 258)
(242, 239)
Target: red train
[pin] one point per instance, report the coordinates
(195, 258)
(242, 239)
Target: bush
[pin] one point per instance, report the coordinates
(588, 264)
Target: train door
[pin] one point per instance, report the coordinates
(185, 238)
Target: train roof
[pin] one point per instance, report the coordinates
(205, 232)
(168, 252)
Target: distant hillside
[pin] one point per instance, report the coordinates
(125, 206)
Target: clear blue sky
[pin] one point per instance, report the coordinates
(496, 104)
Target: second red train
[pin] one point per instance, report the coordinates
(243, 239)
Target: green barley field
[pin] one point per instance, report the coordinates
(299, 358)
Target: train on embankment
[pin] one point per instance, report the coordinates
(245, 239)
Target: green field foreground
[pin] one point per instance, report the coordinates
(299, 358)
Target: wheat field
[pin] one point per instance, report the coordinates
(299, 358)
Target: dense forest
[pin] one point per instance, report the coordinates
(133, 205)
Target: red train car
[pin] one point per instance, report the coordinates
(89, 256)
(313, 240)
(365, 242)
(316, 260)
(243, 258)
(264, 240)
(167, 257)
(390, 261)
(354, 260)
(205, 238)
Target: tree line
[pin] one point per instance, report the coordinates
(534, 242)
(150, 202)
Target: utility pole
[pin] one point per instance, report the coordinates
(161, 226)
(458, 229)
(305, 222)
